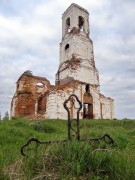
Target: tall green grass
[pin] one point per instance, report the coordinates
(78, 160)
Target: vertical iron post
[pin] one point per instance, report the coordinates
(69, 117)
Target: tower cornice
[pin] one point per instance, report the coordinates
(75, 5)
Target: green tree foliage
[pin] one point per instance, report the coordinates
(6, 116)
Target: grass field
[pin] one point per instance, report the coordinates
(72, 160)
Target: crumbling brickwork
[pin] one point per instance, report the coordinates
(31, 95)
(76, 74)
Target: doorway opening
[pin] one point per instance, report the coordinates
(41, 106)
(87, 103)
(88, 111)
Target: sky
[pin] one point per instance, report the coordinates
(30, 33)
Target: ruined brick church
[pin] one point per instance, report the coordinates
(77, 74)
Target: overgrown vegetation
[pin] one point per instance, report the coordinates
(6, 116)
(78, 160)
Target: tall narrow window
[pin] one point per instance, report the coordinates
(66, 47)
(68, 25)
(87, 88)
(81, 23)
(67, 51)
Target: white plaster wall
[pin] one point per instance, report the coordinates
(107, 108)
(12, 111)
(79, 45)
(51, 106)
(61, 112)
(84, 73)
(55, 102)
(96, 104)
(112, 106)
(62, 96)
(55, 108)
(87, 75)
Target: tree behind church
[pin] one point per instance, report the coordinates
(6, 116)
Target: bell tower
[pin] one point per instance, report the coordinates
(76, 49)
(77, 74)
(75, 17)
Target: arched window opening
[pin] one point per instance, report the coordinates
(81, 23)
(66, 47)
(87, 88)
(40, 84)
(68, 25)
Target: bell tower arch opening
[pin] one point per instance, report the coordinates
(81, 23)
(68, 25)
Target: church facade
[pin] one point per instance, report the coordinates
(77, 74)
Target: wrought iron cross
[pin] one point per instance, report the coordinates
(72, 98)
